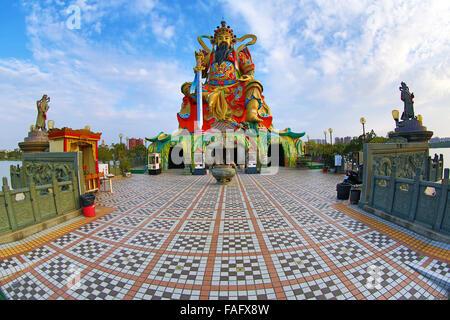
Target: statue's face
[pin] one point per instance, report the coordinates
(223, 38)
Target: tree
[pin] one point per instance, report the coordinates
(104, 154)
(119, 151)
(378, 140)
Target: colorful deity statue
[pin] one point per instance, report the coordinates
(230, 94)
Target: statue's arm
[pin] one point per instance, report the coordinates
(205, 64)
(246, 66)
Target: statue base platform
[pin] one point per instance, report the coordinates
(413, 136)
(37, 141)
(412, 130)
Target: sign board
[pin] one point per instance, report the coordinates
(199, 160)
(251, 159)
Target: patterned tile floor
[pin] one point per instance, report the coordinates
(262, 237)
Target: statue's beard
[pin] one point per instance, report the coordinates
(222, 52)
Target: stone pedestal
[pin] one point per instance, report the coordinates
(412, 130)
(37, 141)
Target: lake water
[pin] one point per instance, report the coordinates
(4, 170)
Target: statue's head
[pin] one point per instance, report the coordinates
(223, 34)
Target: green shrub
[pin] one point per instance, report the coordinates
(124, 165)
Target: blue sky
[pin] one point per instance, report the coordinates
(322, 63)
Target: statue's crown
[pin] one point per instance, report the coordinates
(223, 29)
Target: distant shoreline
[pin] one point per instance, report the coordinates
(10, 159)
(444, 144)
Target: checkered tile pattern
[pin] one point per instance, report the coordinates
(144, 211)
(112, 233)
(324, 233)
(375, 279)
(335, 214)
(308, 219)
(326, 288)
(190, 243)
(202, 214)
(171, 213)
(240, 270)
(270, 224)
(161, 224)
(130, 221)
(235, 214)
(173, 236)
(299, 264)
(198, 226)
(89, 250)
(9, 265)
(130, 261)
(284, 240)
(38, 254)
(404, 255)
(174, 268)
(59, 270)
(66, 240)
(377, 240)
(146, 239)
(267, 212)
(100, 286)
(155, 292)
(88, 228)
(354, 226)
(26, 287)
(440, 268)
(346, 252)
(238, 243)
(261, 294)
(236, 226)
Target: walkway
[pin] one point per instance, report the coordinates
(263, 237)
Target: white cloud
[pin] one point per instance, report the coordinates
(89, 82)
(327, 63)
(322, 63)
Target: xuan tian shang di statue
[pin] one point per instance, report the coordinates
(230, 94)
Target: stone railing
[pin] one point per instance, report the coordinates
(418, 204)
(24, 207)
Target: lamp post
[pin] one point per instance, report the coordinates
(331, 137)
(120, 136)
(325, 134)
(363, 122)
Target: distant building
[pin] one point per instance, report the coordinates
(133, 142)
(347, 139)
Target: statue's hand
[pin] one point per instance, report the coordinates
(199, 58)
(245, 78)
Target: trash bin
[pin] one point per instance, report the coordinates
(355, 194)
(343, 190)
(88, 204)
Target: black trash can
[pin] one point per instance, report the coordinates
(343, 190)
(87, 203)
(355, 195)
